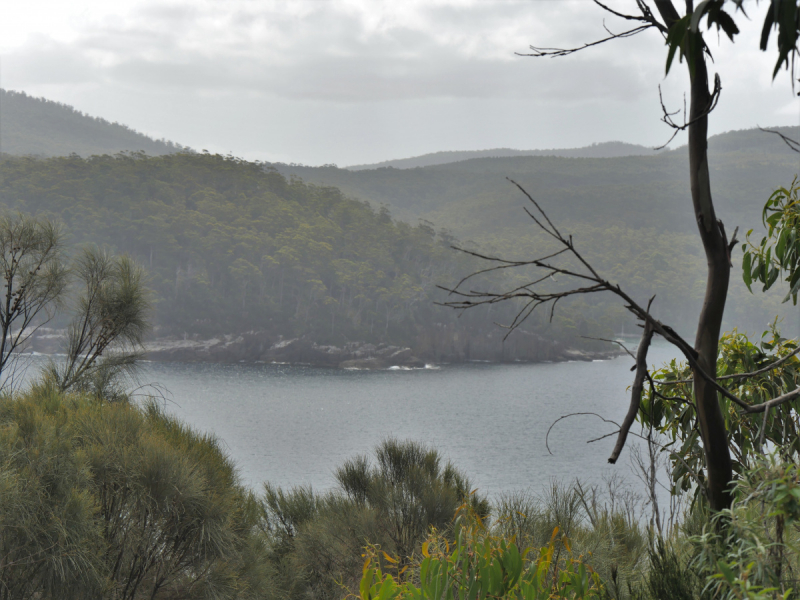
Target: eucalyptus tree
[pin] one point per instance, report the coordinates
(683, 33)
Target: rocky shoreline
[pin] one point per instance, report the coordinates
(257, 347)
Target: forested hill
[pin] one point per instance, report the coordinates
(232, 247)
(473, 198)
(632, 214)
(42, 127)
(602, 150)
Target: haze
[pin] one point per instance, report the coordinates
(360, 81)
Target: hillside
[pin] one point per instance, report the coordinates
(42, 127)
(631, 214)
(235, 250)
(473, 199)
(603, 150)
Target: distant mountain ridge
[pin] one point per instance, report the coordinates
(601, 150)
(42, 127)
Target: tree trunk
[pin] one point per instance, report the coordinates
(715, 244)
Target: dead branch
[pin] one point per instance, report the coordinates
(678, 127)
(557, 52)
(636, 388)
(645, 17)
(618, 343)
(577, 414)
(589, 282)
(793, 145)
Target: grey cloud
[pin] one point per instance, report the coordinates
(324, 82)
(360, 69)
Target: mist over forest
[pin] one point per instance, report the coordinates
(336, 256)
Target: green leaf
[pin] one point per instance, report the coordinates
(725, 22)
(746, 275)
(675, 38)
(726, 571)
(698, 13)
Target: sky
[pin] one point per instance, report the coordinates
(360, 81)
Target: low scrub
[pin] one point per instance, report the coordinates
(111, 501)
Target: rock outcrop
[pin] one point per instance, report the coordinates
(260, 347)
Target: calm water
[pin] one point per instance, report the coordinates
(294, 425)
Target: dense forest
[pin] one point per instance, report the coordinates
(30, 125)
(233, 247)
(344, 255)
(627, 213)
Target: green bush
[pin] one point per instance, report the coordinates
(113, 501)
(318, 540)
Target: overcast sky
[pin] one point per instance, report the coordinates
(356, 81)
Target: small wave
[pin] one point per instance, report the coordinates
(432, 367)
(396, 368)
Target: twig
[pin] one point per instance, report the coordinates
(576, 414)
(793, 145)
(667, 116)
(620, 344)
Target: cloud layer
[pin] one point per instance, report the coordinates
(444, 71)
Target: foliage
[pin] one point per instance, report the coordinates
(778, 253)
(408, 489)
(750, 550)
(34, 275)
(317, 539)
(231, 246)
(783, 15)
(480, 566)
(669, 407)
(105, 336)
(108, 500)
(603, 524)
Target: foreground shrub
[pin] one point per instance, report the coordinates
(479, 565)
(318, 539)
(108, 500)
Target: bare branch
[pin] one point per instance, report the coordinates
(765, 406)
(618, 343)
(577, 414)
(640, 18)
(636, 388)
(602, 437)
(556, 52)
(667, 116)
(793, 145)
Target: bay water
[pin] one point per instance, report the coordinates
(294, 425)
